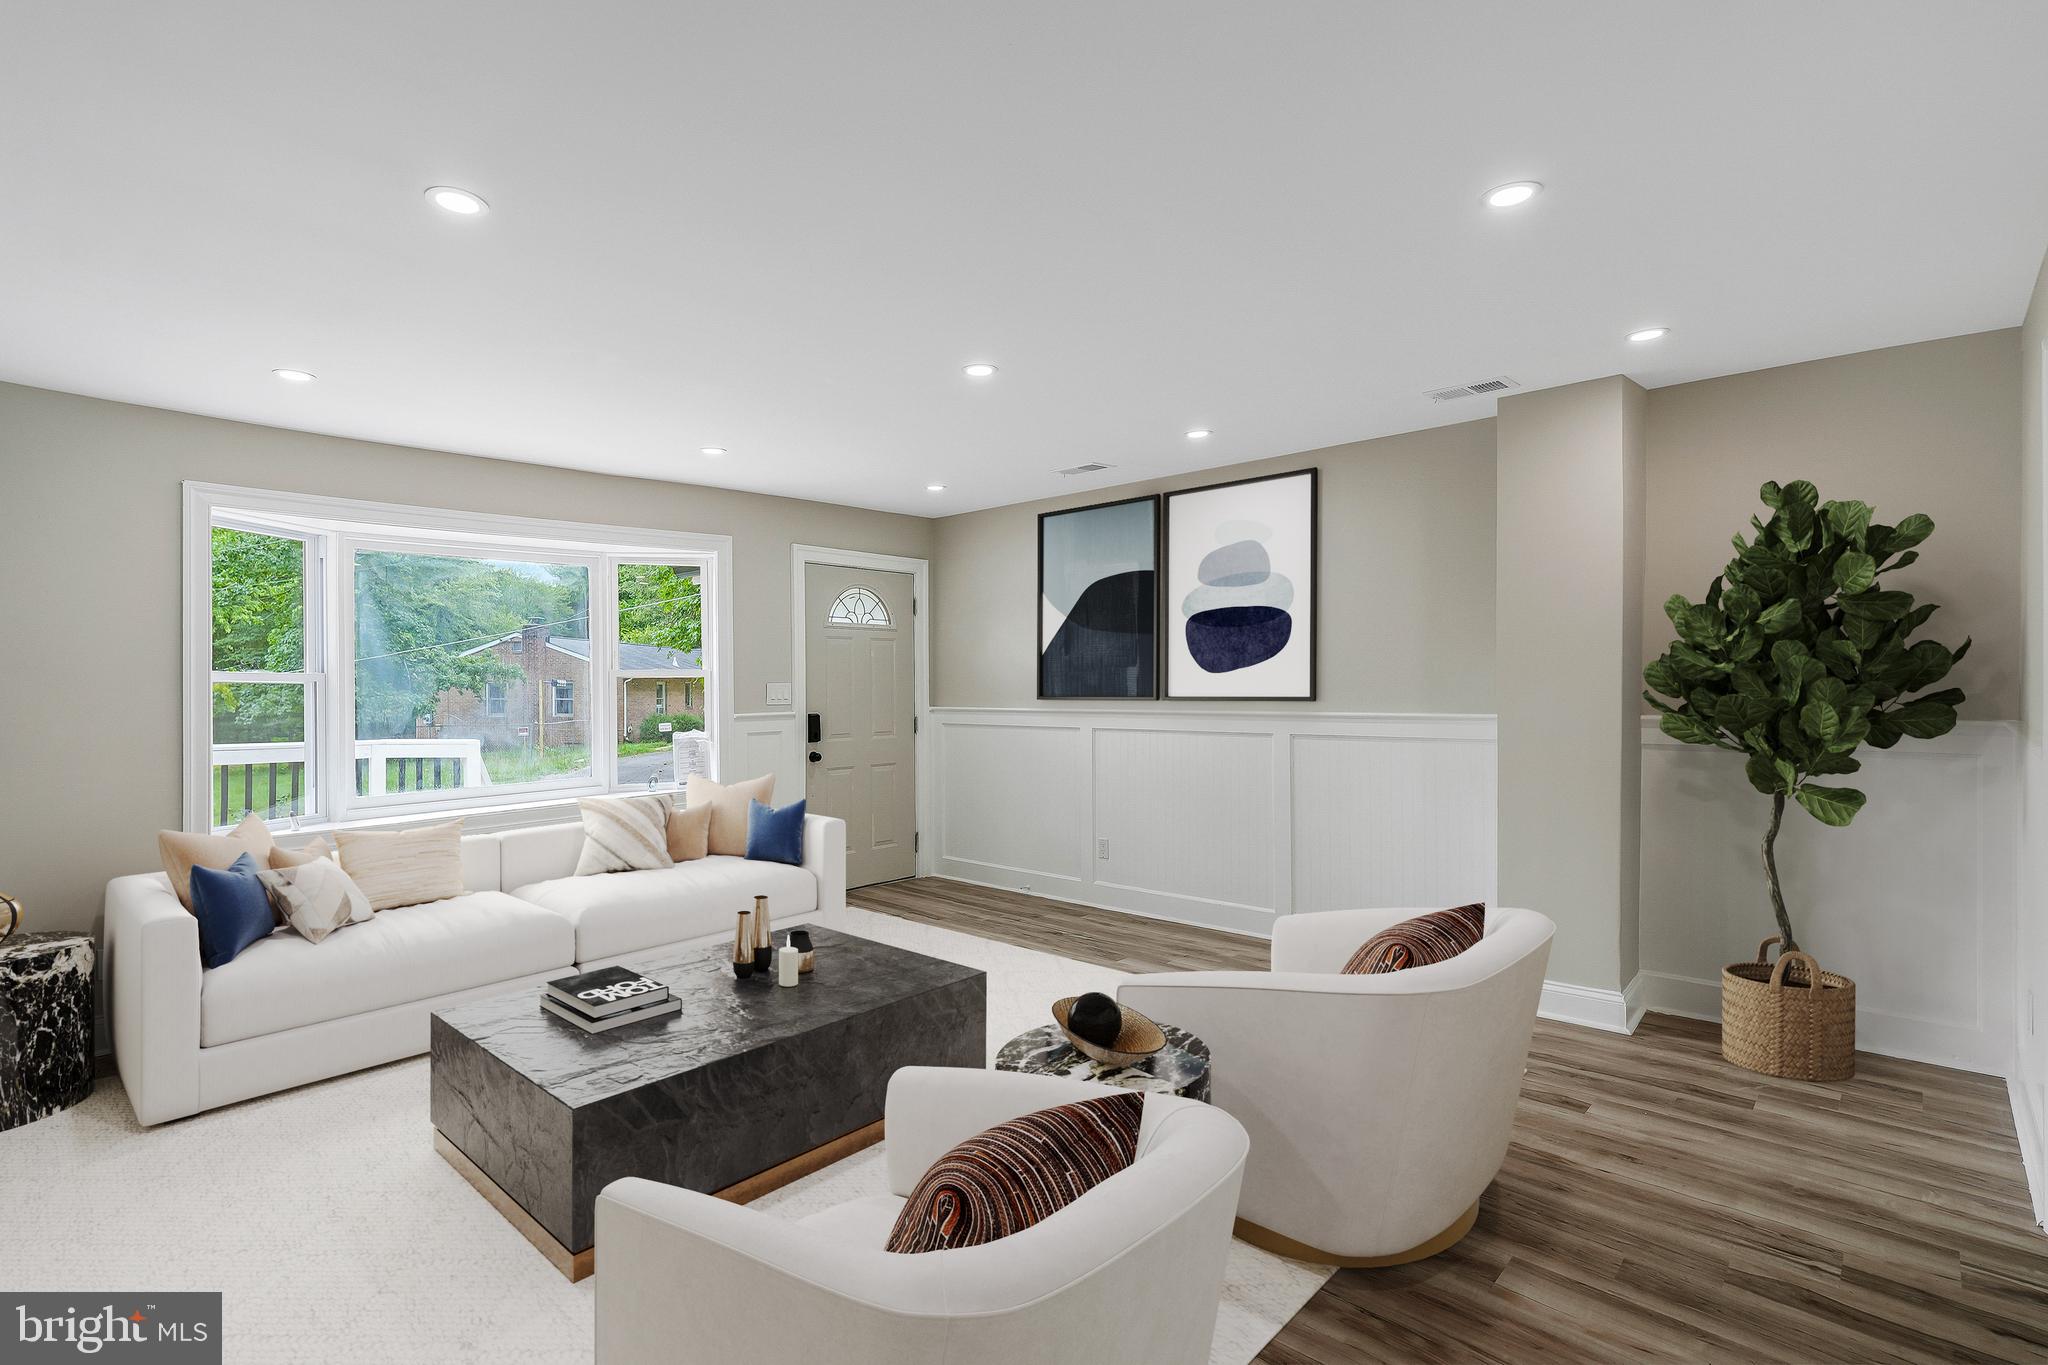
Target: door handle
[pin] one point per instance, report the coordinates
(817, 757)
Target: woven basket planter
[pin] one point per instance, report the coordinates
(1788, 1018)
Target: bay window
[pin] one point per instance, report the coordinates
(362, 661)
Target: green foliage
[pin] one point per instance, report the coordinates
(1799, 655)
(417, 616)
(661, 605)
(650, 728)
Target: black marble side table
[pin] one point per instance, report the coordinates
(45, 1025)
(1179, 1068)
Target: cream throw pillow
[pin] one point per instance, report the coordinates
(182, 852)
(286, 857)
(729, 809)
(624, 834)
(689, 832)
(404, 867)
(315, 897)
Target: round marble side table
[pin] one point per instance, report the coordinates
(45, 1025)
(1179, 1068)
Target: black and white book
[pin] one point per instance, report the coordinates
(610, 1021)
(606, 991)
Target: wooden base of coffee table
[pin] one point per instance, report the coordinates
(578, 1265)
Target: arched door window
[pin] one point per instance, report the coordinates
(858, 606)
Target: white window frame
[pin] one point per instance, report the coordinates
(339, 526)
(310, 677)
(494, 709)
(661, 696)
(559, 691)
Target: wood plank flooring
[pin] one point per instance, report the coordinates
(1659, 1204)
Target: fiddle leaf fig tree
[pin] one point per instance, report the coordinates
(1801, 653)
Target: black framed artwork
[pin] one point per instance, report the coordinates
(1098, 601)
(1240, 605)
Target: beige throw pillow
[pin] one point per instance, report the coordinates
(623, 834)
(689, 832)
(404, 867)
(729, 809)
(182, 852)
(288, 857)
(315, 897)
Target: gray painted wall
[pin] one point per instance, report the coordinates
(1405, 584)
(91, 611)
(1570, 752)
(1929, 428)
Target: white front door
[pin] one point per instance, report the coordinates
(859, 681)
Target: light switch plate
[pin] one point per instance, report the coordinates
(778, 694)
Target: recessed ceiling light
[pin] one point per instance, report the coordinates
(1509, 195)
(457, 201)
(295, 376)
(711, 450)
(935, 488)
(1649, 333)
(1199, 434)
(977, 371)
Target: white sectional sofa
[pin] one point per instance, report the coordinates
(287, 1011)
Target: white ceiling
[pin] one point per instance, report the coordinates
(783, 229)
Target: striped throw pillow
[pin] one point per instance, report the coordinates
(624, 834)
(1436, 937)
(1018, 1173)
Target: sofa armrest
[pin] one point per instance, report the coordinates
(152, 946)
(683, 1276)
(825, 859)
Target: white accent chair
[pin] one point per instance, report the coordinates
(1131, 1271)
(1379, 1107)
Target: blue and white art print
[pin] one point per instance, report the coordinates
(1098, 600)
(1240, 612)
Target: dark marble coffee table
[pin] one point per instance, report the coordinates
(750, 1086)
(1179, 1068)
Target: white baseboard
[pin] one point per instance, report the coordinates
(1888, 1035)
(1591, 1007)
(2033, 1152)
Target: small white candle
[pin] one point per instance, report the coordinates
(786, 963)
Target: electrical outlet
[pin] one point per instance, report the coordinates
(1102, 849)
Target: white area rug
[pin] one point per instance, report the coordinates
(337, 1235)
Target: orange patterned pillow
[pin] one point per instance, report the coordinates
(1436, 937)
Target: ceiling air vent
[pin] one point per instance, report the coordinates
(1083, 469)
(1498, 384)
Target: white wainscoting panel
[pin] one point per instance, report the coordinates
(1430, 796)
(1185, 813)
(1914, 901)
(1223, 818)
(1013, 801)
(766, 742)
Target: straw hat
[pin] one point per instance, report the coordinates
(1138, 1039)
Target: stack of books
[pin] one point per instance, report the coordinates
(608, 998)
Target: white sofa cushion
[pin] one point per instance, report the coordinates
(405, 954)
(624, 912)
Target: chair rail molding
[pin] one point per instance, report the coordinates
(1153, 810)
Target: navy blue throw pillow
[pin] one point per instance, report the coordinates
(775, 836)
(232, 909)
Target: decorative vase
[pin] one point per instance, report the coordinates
(1788, 1018)
(743, 947)
(10, 914)
(764, 946)
(800, 939)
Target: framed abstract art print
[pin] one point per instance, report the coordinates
(1098, 600)
(1239, 616)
